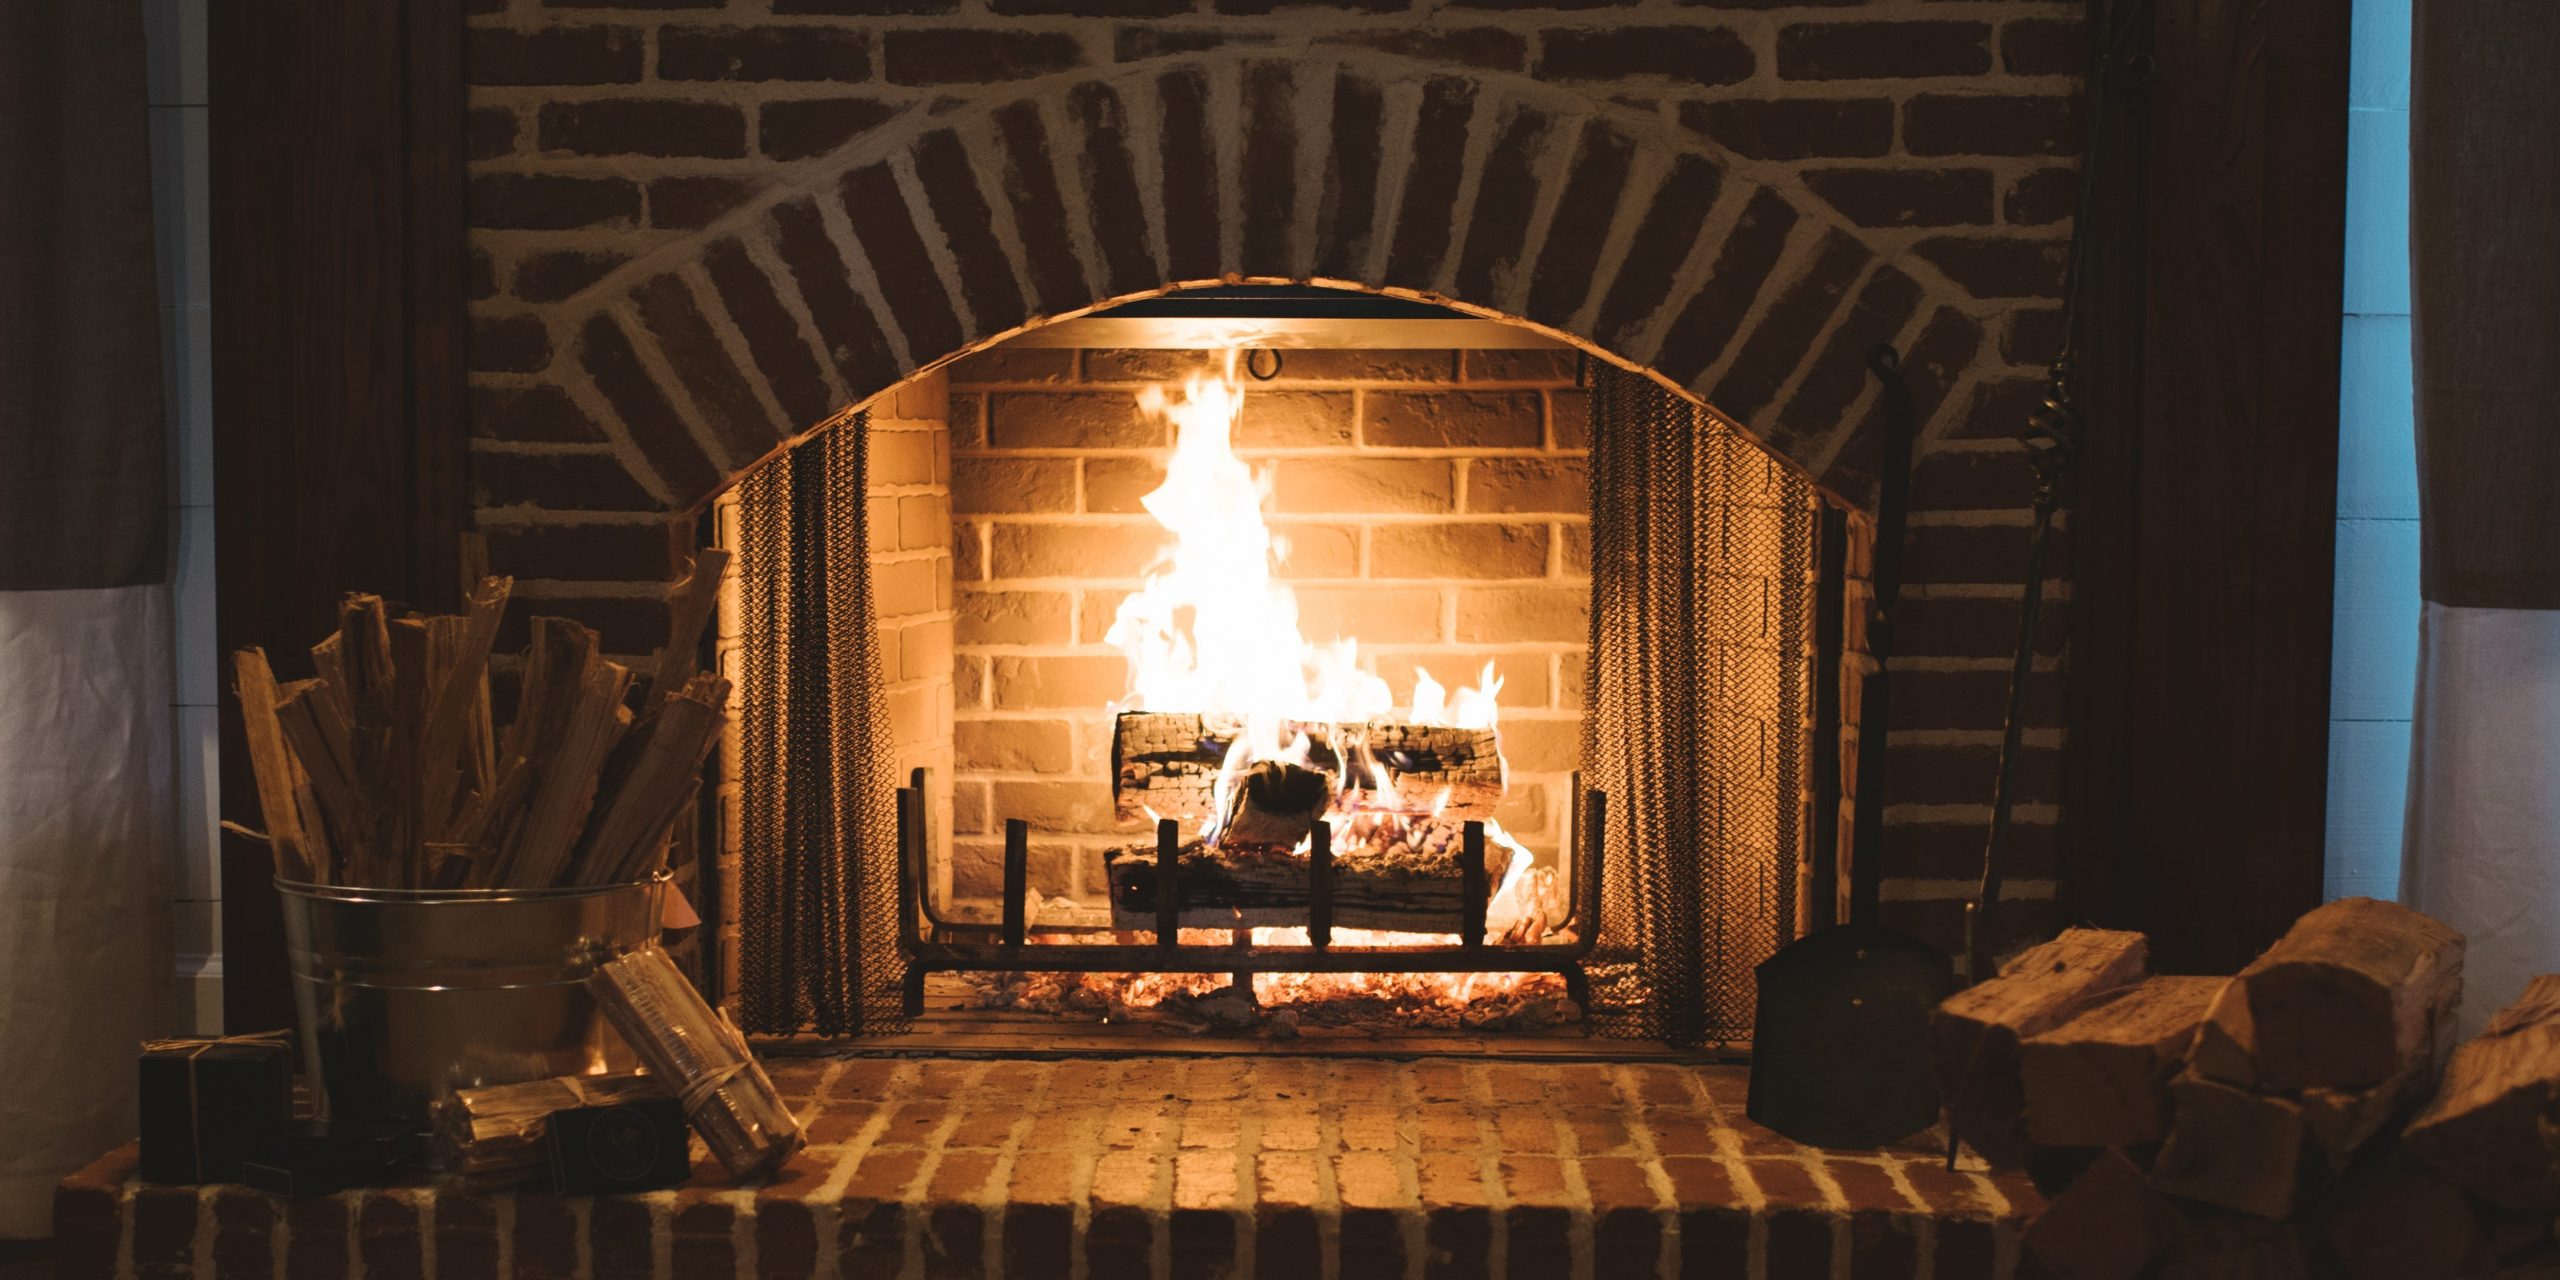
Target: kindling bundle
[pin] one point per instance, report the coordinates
(386, 770)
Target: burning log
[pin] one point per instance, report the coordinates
(1275, 803)
(1168, 762)
(1414, 883)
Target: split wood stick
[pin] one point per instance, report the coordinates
(647, 783)
(461, 704)
(271, 763)
(2484, 1129)
(2102, 1079)
(301, 713)
(364, 637)
(489, 817)
(404, 853)
(574, 761)
(2230, 1147)
(2348, 998)
(691, 604)
(1976, 1035)
(329, 662)
(2109, 1224)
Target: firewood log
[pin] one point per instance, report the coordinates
(449, 757)
(572, 763)
(2235, 1149)
(1275, 803)
(1975, 1036)
(2340, 1121)
(271, 764)
(2484, 1129)
(2349, 998)
(2215, 1245)
(1168, 762)
(2110, 1224)
(387, 770)
(691, 604)
(1415, 885)
(2392, 1218)
(2102, 1079)
(649, 782)
(307, 716)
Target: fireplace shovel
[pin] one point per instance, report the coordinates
(1839, 1054)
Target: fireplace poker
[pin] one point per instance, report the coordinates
(2052, 440)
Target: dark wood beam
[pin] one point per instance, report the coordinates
(338, 269)
(2204, 523)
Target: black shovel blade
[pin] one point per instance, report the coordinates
(1840, 1055)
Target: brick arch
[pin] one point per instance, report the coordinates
(1719, 276)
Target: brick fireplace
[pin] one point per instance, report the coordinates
(701, 235)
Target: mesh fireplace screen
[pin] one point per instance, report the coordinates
(1695, 724)
(816, 816)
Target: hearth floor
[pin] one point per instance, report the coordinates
(1153, 1168)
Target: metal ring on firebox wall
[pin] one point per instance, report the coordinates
(1253, 359)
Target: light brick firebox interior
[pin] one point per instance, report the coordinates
(1433, 507)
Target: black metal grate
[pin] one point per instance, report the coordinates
(1695, 718)
(817, 818)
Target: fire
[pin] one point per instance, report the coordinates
(1213, 630)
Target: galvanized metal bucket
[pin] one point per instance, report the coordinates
(405, 995)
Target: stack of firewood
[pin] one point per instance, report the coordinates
(2298, 1119)
(388, 770)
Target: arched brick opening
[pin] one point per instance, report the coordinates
(1723, 277)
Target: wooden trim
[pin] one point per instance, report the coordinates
(339, 432)
(2203, 527)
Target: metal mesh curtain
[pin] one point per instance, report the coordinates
(817, 818)
(1695, 718)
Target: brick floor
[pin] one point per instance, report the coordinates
(1155, 1169)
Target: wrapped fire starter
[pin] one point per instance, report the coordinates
(208, 1104)
(702, 1059)
(494, 1137)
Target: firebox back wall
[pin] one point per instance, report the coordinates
(1433, 502)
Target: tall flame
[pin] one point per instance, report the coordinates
(1213, 630)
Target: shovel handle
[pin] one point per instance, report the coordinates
(1893, 507)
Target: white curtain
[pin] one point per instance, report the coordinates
(2482, 849)
(85, 830)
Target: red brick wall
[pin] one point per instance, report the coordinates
(699, 232)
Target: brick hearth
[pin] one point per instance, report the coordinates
(1155, 1167)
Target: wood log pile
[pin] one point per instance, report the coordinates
(387, 768)
(2307, 1117)
(1167, 762)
